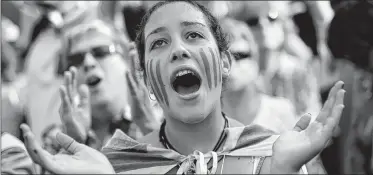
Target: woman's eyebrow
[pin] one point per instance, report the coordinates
(191, 23)
(157, 30)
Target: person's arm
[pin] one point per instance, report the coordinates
(322, 13)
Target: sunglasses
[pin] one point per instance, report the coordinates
(271, 16)
(241, 55)
(99, 53)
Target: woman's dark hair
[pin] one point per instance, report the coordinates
(350, 33)
(213, 24)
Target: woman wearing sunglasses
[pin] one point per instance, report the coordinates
(96, 96)
(282, 73)
(181, 40)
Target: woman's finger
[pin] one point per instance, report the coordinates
(67, 78)
(333, 121)
(65, 106)
(74, 79)
(68, 143)
(338, 85)
(339, 97)
(29, 142)
(303, 123)
(37, 153)
(327, 108)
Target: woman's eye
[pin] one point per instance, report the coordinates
(157, 44)
(194, 35)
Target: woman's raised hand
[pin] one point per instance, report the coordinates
(295, 148)
(75, 110)
(79, 158)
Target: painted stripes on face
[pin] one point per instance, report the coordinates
(207, 66)
(160, 82)
(214, 65)
(219, 65)
(216, 68)
(153, 82)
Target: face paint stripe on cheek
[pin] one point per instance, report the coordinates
(154, 83)
(229, 55)
(219, 62)
(151, 80)
(163, 89)
(207, 65)
(214, 66)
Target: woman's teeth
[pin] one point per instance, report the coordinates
(183, 72)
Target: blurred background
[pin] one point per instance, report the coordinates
(295, 50)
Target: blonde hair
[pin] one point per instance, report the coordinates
(98, 26)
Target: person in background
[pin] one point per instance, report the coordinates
(282, 73)
(189, 44)
(351, 42)
(12, 112)
(42, 67)
(96, 96)
(242, 100)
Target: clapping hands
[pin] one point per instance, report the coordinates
(75, 110)
(79, 158)
(295, 148)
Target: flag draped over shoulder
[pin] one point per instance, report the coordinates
(131, 157)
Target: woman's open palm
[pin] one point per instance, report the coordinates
(75, 110)
(298, 146)
(79, 158)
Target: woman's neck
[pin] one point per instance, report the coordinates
(101, 125)
(102, 131)
(203, 136)
(243, 104)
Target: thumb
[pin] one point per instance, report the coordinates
(84, 96)
(68, 143)
(303, 123)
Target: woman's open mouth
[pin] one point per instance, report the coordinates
(186, 81)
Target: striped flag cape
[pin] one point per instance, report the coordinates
(131, 157)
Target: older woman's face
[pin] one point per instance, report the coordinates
(101, 66)
(182, 62)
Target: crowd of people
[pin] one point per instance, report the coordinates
(187, 87)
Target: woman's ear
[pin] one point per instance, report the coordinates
(226, 58)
